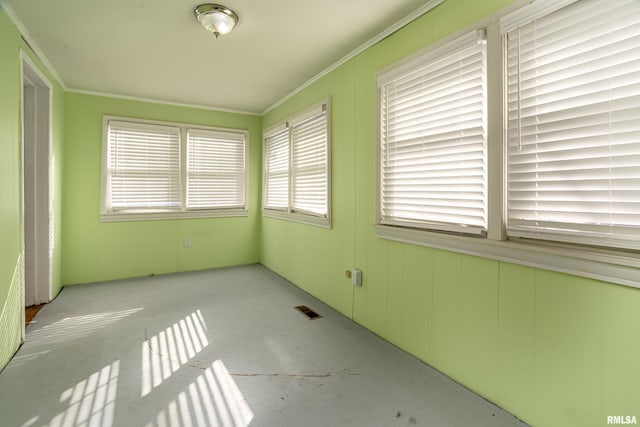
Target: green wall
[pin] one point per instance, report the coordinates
(10, 184)
(553, 349)
(97, 251)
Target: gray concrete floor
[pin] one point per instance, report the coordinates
(219, 348)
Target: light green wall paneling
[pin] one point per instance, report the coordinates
(479, 305)
(620, 350)
(10, 183)
(413, 37)
(341, 247)
(416, 309)
(318, 268)
(371, 299)
(97, 251)
(214, 243)
(9, 153)
(395, 293)
(516, 338)
(273, 235)
(361, 121)
(447, 287)
(568, 347)
(553, 349)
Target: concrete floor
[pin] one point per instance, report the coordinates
(219, 348)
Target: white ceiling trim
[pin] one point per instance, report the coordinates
(386, 33)
(429, 5)
(30, 41)
(35, 47)
(160, 101)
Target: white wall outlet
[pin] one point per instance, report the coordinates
(187, 243)
(356, 277)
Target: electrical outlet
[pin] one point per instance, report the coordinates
(356, 277)
(187, 243)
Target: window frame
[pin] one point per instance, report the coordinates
(288, 123)
(232, 138)
(535, 215)
(272, 132)
(409, 66)
(617, 266)
(109, 215)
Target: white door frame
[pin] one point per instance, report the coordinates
(37, 225)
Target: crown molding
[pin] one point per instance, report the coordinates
(366, 45)
(31, 42)
(35, 47)
(160, 101)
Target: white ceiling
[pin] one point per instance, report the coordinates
(156, 49)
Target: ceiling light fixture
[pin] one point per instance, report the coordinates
(216, 18)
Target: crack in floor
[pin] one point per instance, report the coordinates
(328, 374)
(282, 375)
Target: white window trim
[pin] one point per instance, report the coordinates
(619, 267)
(287, 214)
(593, 264)
(183, 212)
(410, 66)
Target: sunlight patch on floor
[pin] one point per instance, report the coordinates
(91, 401)
(74, 327)
(211, 400)
(164, 353)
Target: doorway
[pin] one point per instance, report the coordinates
(37, 213)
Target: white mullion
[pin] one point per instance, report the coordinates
(291, 173)
(308, 167)
(154, 179)
(184, 141)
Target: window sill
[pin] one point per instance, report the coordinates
(298, 217)
(147, 216)
(622, 269)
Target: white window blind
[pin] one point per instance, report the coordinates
(573, 144)
(433, 162)
(215, 169)
(276, 170)
(296, 167)
(160, 170)
(143, 166)
(309, 165)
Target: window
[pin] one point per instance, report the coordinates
(215, 169)
(143, 167)
(276, 175)
(296, 167)
(562, 143)
(573, 142)
(433, 139)
(162, 170)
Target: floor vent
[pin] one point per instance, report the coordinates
(311, 315)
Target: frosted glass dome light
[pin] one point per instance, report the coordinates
(216, 18)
